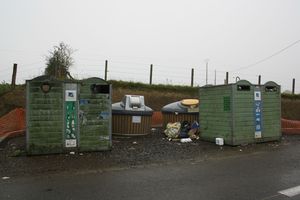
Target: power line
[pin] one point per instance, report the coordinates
(267, 58)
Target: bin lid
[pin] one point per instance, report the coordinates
(131, 105)
(183, 106)
(190, 102)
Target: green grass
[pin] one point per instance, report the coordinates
(5, 87)
(290, 96)
(156, 87)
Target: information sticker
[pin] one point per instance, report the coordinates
(136, 119)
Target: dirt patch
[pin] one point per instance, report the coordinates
(11, 100)
(154, 99)
(290, 109)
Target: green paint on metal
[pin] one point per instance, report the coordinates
(52, 119)
(233, 118)
(44, 117)
(226, 102)
(95, 114)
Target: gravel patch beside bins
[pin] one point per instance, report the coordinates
(127, 152)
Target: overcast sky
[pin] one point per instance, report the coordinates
(174, 36)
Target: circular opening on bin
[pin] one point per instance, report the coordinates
(45, 87)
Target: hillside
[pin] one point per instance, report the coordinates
(156, 96)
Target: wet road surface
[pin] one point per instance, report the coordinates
(258, 175)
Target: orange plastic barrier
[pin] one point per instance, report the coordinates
(290, 126)
(12, 124)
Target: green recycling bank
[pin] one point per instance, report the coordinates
(240, 113)
(64, 116)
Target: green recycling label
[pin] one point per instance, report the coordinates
(71, 124)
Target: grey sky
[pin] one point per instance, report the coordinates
(174, 36)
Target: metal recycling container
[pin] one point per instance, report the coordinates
(240, 113)
(64, 116)
(95, 115)
(131, 116)
(184, 110)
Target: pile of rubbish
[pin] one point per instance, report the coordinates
(182, 131)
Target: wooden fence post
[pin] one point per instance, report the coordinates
(105, 72)
(192, 78)
(151, 71)
(293, 89)
(226, 80)
(14, 75)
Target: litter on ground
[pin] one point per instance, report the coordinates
(182, 131)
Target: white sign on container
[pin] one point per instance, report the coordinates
(136, 119)
(70, 95)
(257, 96)
(71, 143)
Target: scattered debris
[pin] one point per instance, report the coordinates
(134, 142)
(5, 178)
(16, 152)
(172, 130)
(182, 130)
(186, 140)
(72, 153)
(81, 154)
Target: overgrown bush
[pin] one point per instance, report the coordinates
(4, 87)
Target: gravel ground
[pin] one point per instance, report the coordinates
(127, 152)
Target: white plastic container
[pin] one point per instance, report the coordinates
(185, 140)
(220, 141)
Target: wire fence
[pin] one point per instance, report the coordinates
(138, 72)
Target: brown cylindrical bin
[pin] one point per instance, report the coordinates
(185, 110)
(131, 117)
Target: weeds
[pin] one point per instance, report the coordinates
(4, 87)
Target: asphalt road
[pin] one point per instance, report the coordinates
(243, 176)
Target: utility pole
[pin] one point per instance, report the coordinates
(192, 78)
(105, 72)
(151, 70)
(206, 71)
(259, 80)
(14, 75)
(215, 77)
